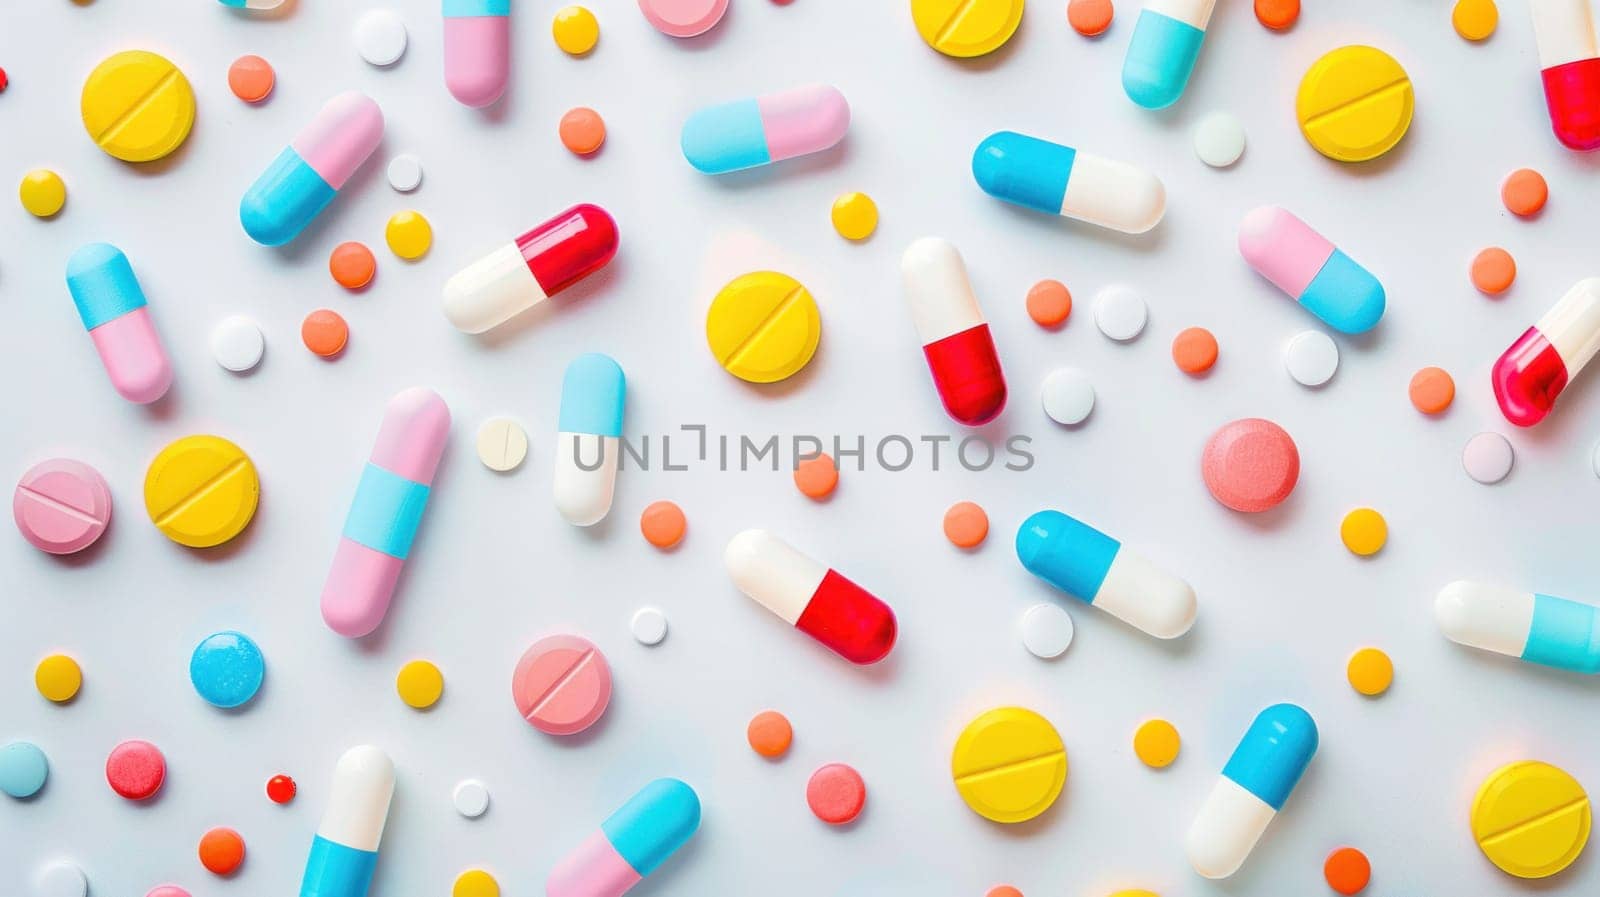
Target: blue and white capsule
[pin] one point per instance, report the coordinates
(312, 169)
(1263, 770)
(1095, 569)
(630, 844)
(345, 849)
(1059, 180)
(1161, 56)
(1542, 629)
(589, 446)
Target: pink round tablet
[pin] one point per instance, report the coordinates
(136, 769)
(836, 794)
(562, 684)
(62, 505)
(1250, 465)
(167, 891)
(683, 18)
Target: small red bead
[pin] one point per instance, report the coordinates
(280, 789)
(3, 80)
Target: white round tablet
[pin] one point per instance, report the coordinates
(1120, 313)
(60, 879)
(1488, 458)
(1311, 357)
(380, 37)
(1219, 140)
(1046, 630)
(237, 344)
(405, 172)
(502, 444)
(649, 626)
(471, 798)
(1068, 396)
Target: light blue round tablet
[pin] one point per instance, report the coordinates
(227, 669)
(23, 769)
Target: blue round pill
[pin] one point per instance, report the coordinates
(227, 669)
(23, 769)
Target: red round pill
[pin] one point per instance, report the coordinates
(280, 789)
(1250, 465)
(136, 769)
(562, 684)
(836, 794)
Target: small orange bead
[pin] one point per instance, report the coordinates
(324, 332)
(816, 478)
(582, 130)
(1524, 192)
(1279, 15)
(221, 851)
(769, 733)
(1194, 351)
(1432, 390)
(1049, 303)
(352, 265)
(1347, 871)
(1493, 271)
(966, 524)
(663, 524)
(1090, 18)
(251, 78)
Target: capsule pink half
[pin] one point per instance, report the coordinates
(345, 132)
(804, 120)
(388, 506)
(477, 50)
(594, 869)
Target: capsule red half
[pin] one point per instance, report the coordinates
(818, 601)
(1569, 60)
(955, 338)
(537, 265)
(1538, 366)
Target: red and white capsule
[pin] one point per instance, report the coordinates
(1539, 365)
(537, 265)
(848, 619)
(955, 337)
(1569, 65)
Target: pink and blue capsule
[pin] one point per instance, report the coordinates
(1161, 56)
(1304, 264)
(761, 130)
(112, 306)
(630, 844)
(307, 175)
(1264, 768)
(1542, 629)
(477, 50)
(1099, 571)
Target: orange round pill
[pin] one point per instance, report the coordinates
(221, 851)
(966, 525)
(1194, 350)
(352, 265)
(582, 130)
(1049, 303)
(1002, 891)
(1347, 871)
(324, 332)
(816, 477)
(1493, 270)
(251, 78)
(769, 733)
(1524, 192)
(663, 524)
(1432, 390)
(1090, 18)
(1279, 15)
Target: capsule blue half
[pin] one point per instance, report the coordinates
(1095, 569)
(593, 393)
(1161, 56)
(1274, 753)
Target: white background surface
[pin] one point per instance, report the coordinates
(1283, 604)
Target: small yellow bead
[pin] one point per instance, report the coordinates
(1370, 672)
(409, 235)
(420, 684)
(575, 29)
(58, 678)
(855, 216)
(1157, 743)
(475, 883)
(1475, 20)
(1364, 531)
(43, 193)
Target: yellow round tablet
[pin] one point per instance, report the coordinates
(1009, 764)
(201, 491)
(475, 883)
(855, 216)
(1531, 819)
(575, 29)
(1156, 742)
(1354, 104)
(58, 678)
(1474, 19)
(408, 234)
(966, 28)
(420, 684)
(1370, 672)
(42, 192)
(1364, 531)
(137, 106)
(763, 327)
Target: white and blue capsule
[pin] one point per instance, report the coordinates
(1161, 56)
(1264, 768)
(588, 447)
(1097, 570)
(344, 852)
(1060, 180)
(1542, 629)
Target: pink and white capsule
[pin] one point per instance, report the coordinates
(384, 515)
(112, 307)
(477, 50)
